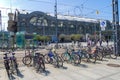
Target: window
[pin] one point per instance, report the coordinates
(33, 20)
(60, 24)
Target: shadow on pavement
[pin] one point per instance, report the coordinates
(82, 65)
(45, 73)
(11, 77)
(64, 67)
(105, 60)
(19, 74)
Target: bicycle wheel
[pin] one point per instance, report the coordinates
(65, 57)
(55, 61)
(113, 55)
(42, 65)
(27, 60)
(100, 56)
(7, 67)
(60, 61)
(93, 57)
(48, 59)
(16, 66)
(77, 59)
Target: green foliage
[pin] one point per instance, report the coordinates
(108, 32)
(42, 38)
(75, 37)
(62, 36)
(67, 38)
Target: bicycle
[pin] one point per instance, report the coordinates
(91, 55)
(72, 57)
(39, 63)
(27, 59)
(53, 58)
(37, 58)
(11, 64)
(109, 52)
(6, 64)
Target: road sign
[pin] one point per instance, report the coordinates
(102, 28)
(103, 24)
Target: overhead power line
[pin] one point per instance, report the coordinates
(74, 6)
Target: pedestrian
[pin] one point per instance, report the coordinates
(107, 42)
(100, 41)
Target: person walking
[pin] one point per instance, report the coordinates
(100, 41)
(107, 42)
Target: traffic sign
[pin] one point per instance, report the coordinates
(102, 28)
(103, 24)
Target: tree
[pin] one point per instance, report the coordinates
(75, 37)
(62, 37)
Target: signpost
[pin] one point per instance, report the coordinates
(102, 26)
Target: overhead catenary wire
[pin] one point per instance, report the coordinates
(85, 15)
(67, 4)
(63, 5)
(74, 6)
(67, 11)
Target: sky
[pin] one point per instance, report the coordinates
(98, 9)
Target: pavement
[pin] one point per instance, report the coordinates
(84, 71)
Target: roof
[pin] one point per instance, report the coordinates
(76, 18)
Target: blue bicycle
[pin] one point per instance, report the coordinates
(53, 58)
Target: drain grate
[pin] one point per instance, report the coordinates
(113, 65)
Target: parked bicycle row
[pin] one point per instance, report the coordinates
(71, 55)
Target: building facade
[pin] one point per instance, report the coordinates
(45, 24)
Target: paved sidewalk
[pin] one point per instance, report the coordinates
(85, 71)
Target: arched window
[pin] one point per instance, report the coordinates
(60, 24)
(71, 26)
(45, 23)
(40, 21)
(33, 20)
(52, 24)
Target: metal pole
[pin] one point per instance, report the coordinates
(113, 24)
(56, 15)
(11, 5)
(0, 21)
(56, 24)
(116, 26)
